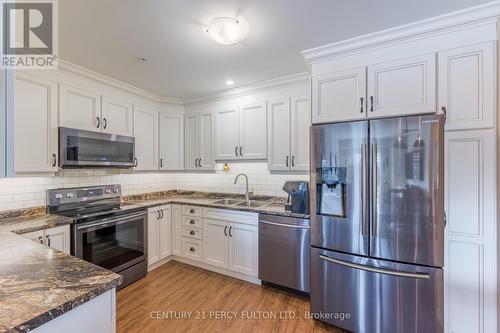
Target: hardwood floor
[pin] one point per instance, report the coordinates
(155, 303)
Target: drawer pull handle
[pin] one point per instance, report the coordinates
(192, 222)
(192, 211)
(192, 249)
(192, 232)
(40, 239)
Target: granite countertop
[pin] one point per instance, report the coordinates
(274, 206)
(37, 283)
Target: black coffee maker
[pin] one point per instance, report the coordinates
(298, 196)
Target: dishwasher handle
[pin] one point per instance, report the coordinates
(285, 225)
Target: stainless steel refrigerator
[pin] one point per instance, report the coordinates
(377, 224)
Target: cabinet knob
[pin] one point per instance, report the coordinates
(192, 211)
(192, 249)
(192, 232)
(192, 222)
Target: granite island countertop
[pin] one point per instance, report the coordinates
(37, 283)
(273, 206)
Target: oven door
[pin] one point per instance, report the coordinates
(80, 148)
(115, 243)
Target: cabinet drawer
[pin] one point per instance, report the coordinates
(192, 211)
(192, 222)
(192, 249)
(192, 233)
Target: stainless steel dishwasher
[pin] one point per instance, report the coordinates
(284, 251)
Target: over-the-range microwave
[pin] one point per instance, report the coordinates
(85, 149)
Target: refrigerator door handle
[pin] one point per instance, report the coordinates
(373, 226)
(376, 269)
(363, 189)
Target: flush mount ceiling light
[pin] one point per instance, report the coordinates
(227, 31)
(142, 60)
(229, 82)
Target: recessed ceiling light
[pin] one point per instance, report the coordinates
(227, 30)
(229, 82)
(142, 60)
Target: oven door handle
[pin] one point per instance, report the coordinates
(110, 221)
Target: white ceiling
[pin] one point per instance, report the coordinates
(107, 36)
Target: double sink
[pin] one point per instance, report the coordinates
(241, 203)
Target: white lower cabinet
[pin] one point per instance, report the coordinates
(229, 244)
(243, 248)
(216, 246)
(176, 230)
(57, 238)
(159, 233)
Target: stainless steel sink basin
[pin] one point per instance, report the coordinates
(227, 201)
(252, 203)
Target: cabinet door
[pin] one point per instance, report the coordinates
(300, 121)
(226, 132)
(79, 109)
(402, 87)
(176, 230)
(206, 142)
(58, 238)
(216, 244)
(36, 236)
(35, 124)
(146, 139)
(191, 142)
(165, 230)
(339, 96)
(153, 237)
(467, 86)
(279, 135)
(171, 142)
(116, 117)
(243, 248)
(253, 131)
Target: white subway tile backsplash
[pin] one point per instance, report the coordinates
(27, 192)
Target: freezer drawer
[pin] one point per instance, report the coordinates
(284, 251)
(375, 296)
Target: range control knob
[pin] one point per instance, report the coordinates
(115, 190)
(108, 191)
(69, 195)
(58, 196)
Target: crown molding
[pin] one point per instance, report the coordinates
(280, 82)
(455, 21)
(87, 73)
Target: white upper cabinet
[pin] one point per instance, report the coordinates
(339, 96)
(279, 135)
(89, 111)
(227, 141)
(402, 87)
(241, 132)
(35, 124)
(206, 141)
(116, 117)
(300, 122)
(191, 141)
(467, 86)
(171, 142)
(253, 131)
(199, 143)
(146, 139)
(79, 109)
(289, 122)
